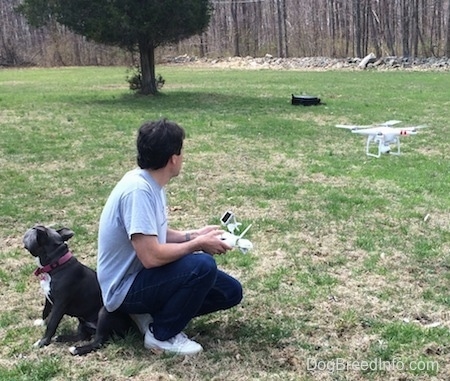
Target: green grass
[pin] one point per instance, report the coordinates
(351, 252)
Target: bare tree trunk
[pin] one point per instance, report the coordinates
(447, 44)
(406, 51)
(279, 29)
(415, 28)
(374, 32)
(257, 8)
(346, 26)
(357, 25)
(285, 31)
(436, 22)
(386, 9)
(236, 34)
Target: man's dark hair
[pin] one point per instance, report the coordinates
(157, 141)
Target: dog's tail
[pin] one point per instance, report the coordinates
(109, 323)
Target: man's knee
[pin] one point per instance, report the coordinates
(205, 265)
(237, 294)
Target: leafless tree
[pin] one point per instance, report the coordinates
(335, 28)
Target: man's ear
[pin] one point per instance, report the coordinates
(173, 159)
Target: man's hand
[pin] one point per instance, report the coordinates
(210, 241)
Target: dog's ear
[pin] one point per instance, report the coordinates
(65, 233)
(41, 234)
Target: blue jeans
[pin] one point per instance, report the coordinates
(175, 293)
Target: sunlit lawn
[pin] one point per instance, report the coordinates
(351, 253)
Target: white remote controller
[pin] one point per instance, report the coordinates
(244, 245)
(229, 238)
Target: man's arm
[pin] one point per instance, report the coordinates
(154, 254)
(178, 236)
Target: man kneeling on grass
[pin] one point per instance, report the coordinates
(165, 276)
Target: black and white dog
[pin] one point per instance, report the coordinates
(72, 288)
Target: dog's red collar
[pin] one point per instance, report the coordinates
(54, 265)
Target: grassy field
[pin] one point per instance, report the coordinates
(349, 277)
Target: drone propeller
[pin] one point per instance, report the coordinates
(351, 127)
(390, 123)
(385, 130)
(354, 127)
(413, 128)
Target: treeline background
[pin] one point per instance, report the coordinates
(283, 28)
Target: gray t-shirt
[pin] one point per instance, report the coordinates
(137, 204)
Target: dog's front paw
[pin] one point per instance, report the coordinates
(39, 323)
(41, 343)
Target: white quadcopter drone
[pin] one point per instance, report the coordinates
(229, 220)
(383, 135)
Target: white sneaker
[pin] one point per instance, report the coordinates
(142, 321)
(179, 344)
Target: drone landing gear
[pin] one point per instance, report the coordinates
(383, 146)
